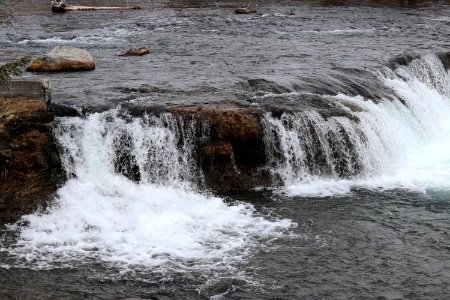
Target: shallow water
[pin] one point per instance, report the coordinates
(383, 235)
(206, 53)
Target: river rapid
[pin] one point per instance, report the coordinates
(363, 210)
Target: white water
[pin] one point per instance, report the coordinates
(100, 214)
(94, 37)
(396, 145)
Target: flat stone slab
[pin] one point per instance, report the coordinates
(32, 88)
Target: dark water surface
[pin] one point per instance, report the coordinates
(206, 53)
(383, 245)
(366, 245)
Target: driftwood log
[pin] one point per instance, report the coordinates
(61, 6)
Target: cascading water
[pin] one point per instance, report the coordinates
(151, 149)
(132, 199)
(394, 143)
(135, 218)
(101, 214)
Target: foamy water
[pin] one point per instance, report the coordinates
(405, 146)
(100, 214)
(84, 38)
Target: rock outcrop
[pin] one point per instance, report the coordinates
(63, 59)
(231, 155)
(30, 167)
(236, 148)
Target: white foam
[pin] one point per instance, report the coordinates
(442, 18)
(341, 31)
(99, 214)
(125, 223)
(89, 39)
(404, 146)
(317, 188)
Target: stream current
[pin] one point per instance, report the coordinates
(381, 231)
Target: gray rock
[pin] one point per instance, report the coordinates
(63, 58)
(70, 53)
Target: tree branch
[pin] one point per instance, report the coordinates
(7, 12)
(14, 68)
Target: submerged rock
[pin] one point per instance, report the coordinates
(135, 52)
(62, 59)
(30, 168)
(61, 110)
(245, 11)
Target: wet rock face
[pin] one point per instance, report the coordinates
(232, 157)
(30, 168)
(63, 59)
(234, 151)
(445, 58)
(229, 145)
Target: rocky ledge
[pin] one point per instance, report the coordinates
(30, 168)
(231, 156)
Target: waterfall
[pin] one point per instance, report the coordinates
(134, 191)
(151, 149)
(157, 219)
(397, 142)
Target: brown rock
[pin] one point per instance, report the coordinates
(29, 162)
(245, 11)
(135, 52)
(230, 153)
(63, 59)
(217, 153)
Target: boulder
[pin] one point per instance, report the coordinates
(135, 52)
(245, 11)
(30, 167)
(61, 110)
(62, 59)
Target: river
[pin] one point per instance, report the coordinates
(363, 210)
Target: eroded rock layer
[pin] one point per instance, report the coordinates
(29, 161)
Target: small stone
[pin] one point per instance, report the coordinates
(135, 52)
(245, 11)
